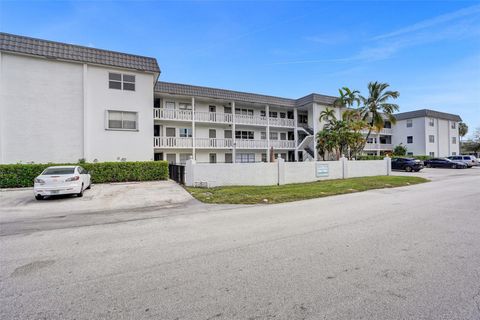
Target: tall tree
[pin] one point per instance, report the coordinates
(377, 106)
(462, 129)
(347, 98)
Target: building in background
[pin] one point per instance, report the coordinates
(61, 103)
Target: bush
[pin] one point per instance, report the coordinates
(22, 175)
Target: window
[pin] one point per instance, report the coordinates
(170, 105)
(121, 81)
(184, 157)
(273, 135)
(263, 113)
(184, 106)
(303, 118)
(263, 135)
(431, 138)
(273, 114)
(185, 132)
(410, 153)
(410, 139)
(245, 157)
(432, 154)
(248, 112)
(283, 115)
(283, 136)
(228, 134)
(228, 158)
(264, 157)
(454, 140)
(454, 153)
(122, 120)
(431, 122)
(244, 135)
(227, 110)
(387, 125)
(454, 125)
(409, 123)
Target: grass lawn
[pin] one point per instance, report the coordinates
(300, 191)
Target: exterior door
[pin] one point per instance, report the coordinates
(213, 158)
(228, 158)
(212, 135)
(171, 134)
(212, 112)
(171, 158)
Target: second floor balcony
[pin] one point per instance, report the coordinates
(214, 143)
(216, 117)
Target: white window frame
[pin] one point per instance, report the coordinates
(122, 81)
(431, 138)
(409, 123)
(188, 131)
(431, 122)
(245, 157)
(454, 125)
(454, 140)
(409, 137)
(107, 120)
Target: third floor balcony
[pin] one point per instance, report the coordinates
(216, 117)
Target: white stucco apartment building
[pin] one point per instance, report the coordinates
(61, 103)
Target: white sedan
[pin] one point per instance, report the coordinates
(62, 180)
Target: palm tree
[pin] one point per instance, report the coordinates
(462, 132)
(328, 115)
(347, 98)
(377, 105)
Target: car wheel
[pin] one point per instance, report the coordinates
(89, 186)
(454, 166)
(80, 194)
(429, 165)
(408, 169)
(417, 170)
(39, 197)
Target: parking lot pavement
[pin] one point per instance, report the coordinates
(107, 201)
(401, 253)
(435, 174)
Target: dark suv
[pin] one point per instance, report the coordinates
(407, 164)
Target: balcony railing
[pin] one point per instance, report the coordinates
(387, 131)
(216, 117)
(172, 142)
(213, 143)
(381, 146)
(172, 114)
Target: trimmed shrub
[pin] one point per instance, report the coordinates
(22, 175)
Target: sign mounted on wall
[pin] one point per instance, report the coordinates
(321, 169)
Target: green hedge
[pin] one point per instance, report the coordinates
(365, 157)
(22, 175)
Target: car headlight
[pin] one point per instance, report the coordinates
(37, 180)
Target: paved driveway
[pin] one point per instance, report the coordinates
(406, 253)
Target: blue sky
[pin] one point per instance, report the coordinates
(428, 50)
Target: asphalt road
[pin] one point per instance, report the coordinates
(406, 253)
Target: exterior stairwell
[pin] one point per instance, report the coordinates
(307, 145)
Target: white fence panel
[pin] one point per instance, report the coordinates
(366, 168)
(299, 172)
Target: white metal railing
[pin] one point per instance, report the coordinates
(381, 146)
(203, 116)
(282, 144)
(216, 117)
(248, 119)
(213, 143)
(250, 144)
(172, 114)
(281, 122)
(387, 131)
(172, 142)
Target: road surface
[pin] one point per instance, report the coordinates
(406, 253)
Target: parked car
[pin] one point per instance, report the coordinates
(407, 164)
(444, 163)
(62, 180)
(467, 159)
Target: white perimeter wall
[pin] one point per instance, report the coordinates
(281, 172)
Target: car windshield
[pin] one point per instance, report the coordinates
(55, 171)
